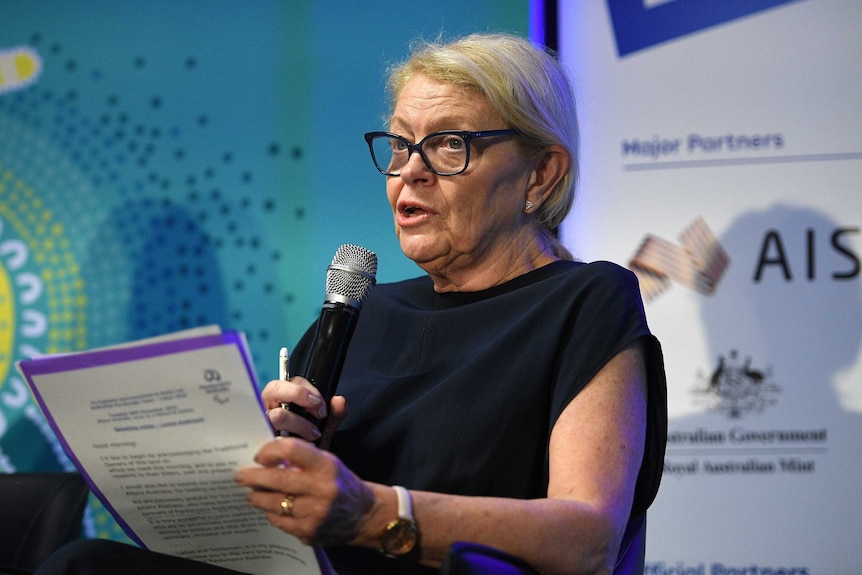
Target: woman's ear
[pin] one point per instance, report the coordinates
(550, 167)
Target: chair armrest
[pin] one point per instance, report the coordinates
(474, 559)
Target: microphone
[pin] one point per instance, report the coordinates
(349, 279)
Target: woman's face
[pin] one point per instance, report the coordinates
(454, 226)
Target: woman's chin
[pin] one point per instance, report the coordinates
(420, 250)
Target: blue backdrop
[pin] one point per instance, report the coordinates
(168, 164)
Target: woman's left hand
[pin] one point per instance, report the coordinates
(307, 492)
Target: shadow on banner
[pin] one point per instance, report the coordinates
(760, 476)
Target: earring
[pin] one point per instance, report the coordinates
(528, 205)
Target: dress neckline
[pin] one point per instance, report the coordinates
(454, 299)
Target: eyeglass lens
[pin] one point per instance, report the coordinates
(444, 153)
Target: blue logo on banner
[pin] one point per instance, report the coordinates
(637, 25)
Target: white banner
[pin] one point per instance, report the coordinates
(721, 161)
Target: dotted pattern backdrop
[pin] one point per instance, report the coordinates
(125, 214)
(169, 164)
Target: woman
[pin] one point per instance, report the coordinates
(508, 389)
(518, 396)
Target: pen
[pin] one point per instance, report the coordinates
(283, 364)
(284, 369)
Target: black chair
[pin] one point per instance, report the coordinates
(632, 549)
(39, 512)
(474, 559)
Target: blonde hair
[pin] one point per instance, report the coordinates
(526, 86)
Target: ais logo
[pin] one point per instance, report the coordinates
(639, 24)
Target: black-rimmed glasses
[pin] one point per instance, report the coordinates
(446, 153)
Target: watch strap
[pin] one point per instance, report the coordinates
(405, 503)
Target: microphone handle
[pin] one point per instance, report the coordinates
(335, 327)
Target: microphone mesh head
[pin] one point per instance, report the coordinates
(351, 275)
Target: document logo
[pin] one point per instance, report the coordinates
(640, 24)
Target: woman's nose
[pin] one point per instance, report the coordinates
(416, 168)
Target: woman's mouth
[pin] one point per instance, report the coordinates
(409, 214)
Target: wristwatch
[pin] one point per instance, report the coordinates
(400, 536)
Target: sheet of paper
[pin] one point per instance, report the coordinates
(159, 429)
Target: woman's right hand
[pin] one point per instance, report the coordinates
(300, 392)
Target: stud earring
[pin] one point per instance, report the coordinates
(528, 205)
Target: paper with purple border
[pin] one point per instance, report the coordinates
(159, 428)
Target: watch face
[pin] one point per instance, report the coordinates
(399, 538)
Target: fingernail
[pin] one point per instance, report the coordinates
(315, 433)
(313, 399)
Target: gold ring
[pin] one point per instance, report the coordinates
(287, 505)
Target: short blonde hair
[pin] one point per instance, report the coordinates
(525, 85)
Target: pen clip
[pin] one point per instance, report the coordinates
(284, 369)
